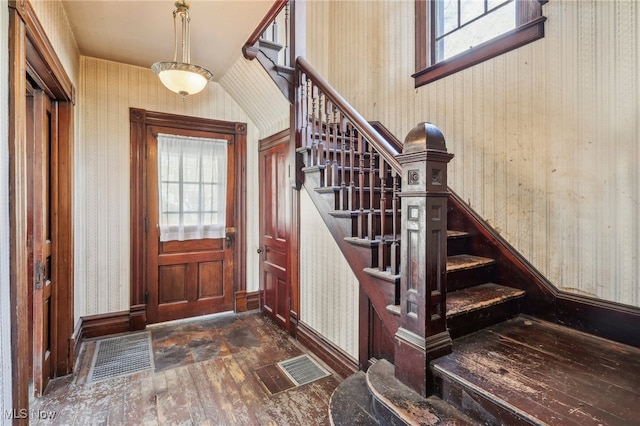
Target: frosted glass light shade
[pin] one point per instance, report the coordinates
(181, 78)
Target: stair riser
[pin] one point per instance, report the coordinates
(373, 254)
(319, 153)
(457, 246)
(363, 222)
(477, 406)
(470, 277)
(354, 196)
(463, 324)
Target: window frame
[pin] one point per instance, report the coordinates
(530, 27)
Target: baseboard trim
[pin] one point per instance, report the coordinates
(610, 320)
(340, 361)
(247, 301)
(253, 300)
(103, 325)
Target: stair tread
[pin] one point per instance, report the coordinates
(479, 297)
(383, 275)
(451, 234)
(367, 242)
(462, 262)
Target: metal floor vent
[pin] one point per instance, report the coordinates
(302, 369)
(121, 356)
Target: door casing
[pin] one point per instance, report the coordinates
(31, 55)
(140, 120)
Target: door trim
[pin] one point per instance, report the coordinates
(139, 119)
(30, 52)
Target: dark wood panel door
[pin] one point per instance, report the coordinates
(274, 230)
(41, 141)
(195, 276)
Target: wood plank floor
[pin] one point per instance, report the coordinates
(205, 375)
(545, 374)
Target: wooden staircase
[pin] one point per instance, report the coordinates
(476, 296)
(354, 172)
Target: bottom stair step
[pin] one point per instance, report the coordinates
(397, 404)
(378, 398)
(351, 403)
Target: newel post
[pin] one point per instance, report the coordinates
(423, 335)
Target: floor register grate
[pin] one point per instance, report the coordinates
(302, 370)
(121, 356)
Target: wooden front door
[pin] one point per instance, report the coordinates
(41, 144)
(275, 229)
(187, 277)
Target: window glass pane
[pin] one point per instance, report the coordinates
(208, 168)
(446, 16)
(191, 200)
(470, 9)
(191, 219)
(171, 219)
(191, 170)
(492, 4)
(492, 25)
(170, 197)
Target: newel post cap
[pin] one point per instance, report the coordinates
(424, 136)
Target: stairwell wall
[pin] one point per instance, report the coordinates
(329, 291)
(545, 136)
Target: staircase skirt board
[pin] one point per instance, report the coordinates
(527, 371)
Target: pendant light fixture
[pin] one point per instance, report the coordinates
(183, 77)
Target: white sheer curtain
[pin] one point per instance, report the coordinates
(192, 187)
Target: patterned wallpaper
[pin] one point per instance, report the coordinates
(329, 290)
(545, 137)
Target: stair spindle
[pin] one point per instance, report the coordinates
(382, 247)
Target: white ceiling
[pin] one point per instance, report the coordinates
(140, 32)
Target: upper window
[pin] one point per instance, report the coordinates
(452, 35)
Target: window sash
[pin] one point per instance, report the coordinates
(192, 175)
(529, 27)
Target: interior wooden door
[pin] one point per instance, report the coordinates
(191, 277)
(275, 225)
(41, 141)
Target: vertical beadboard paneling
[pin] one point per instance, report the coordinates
(5, 247)
(329, 290)
(545, 137)
(106, 92)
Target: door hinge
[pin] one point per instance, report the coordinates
(146, 297)
(146, 224)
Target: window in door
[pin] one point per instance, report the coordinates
(452, 35)
(192, 174)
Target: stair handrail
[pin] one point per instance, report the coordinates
(268, 19)
(385, 149)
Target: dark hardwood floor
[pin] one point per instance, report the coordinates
(206, 373)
